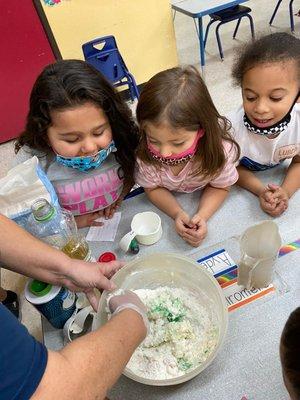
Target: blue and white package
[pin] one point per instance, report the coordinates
(22, 185)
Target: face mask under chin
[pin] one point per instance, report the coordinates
(270, 131)
(87, 163)
(176, 159)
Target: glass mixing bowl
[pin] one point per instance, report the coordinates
(173, 270)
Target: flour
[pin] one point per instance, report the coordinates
(183, 333)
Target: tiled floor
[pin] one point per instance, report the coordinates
(217, 76)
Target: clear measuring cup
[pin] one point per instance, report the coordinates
(259, 247)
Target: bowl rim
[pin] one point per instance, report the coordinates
(192, 374)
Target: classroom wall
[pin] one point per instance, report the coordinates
(143, 29)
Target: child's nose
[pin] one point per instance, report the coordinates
(89, 147)
(165, 151)
(261, 106)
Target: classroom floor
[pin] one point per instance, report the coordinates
(218, 80)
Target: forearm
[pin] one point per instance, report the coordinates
(21, 252)
(211, 199)
(249, 181)
(88, 367)
(291, 182)
(164, 200)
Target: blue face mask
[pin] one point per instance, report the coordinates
(86, 163)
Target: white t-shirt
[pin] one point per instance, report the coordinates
(257, 151)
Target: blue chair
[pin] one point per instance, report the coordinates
(228, 15)
(291, 14)
(103, 54)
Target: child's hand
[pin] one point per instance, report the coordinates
(197, 231)
(85, 220)
(109, 211)
(182, 221)
(274, 200)
(193, 231)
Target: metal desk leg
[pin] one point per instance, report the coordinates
(292, 16)
(201, 44)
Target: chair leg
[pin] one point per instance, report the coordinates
(292, 16)
(236, 28)
(132, 87)
(219, 41)
(207, 30)
(251, 25)
(275, 12)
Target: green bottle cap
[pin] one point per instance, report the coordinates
(42, 210)
(39, 288)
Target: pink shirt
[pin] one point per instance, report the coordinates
(149, 176)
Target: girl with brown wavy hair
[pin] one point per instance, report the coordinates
(84, 137)
(184, 146)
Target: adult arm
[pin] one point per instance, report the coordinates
(88, 367)
(23, 253)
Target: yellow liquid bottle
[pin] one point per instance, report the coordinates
(78, 249)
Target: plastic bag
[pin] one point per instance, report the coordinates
(22, 185)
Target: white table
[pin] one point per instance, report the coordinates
(197, 9)
(248, 363)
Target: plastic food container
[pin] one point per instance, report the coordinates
(164, 269)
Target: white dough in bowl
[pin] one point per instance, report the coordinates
(183, 333)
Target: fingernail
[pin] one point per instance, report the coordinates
(113, 286)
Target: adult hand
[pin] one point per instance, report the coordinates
(82, 221)
(128, 299)
(81, 276)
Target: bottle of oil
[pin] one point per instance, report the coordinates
(58, 228)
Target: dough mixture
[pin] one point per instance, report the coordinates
(183, 333)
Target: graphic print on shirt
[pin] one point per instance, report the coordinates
(288, 151)
(91, 193)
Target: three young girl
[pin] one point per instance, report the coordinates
(88, 143)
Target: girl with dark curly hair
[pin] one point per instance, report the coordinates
(267, 126)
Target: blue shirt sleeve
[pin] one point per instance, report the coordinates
(22, 359)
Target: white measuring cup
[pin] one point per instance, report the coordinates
(145, 227)
(259, 250)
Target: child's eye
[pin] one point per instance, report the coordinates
(152, 142)
(178, 144)
(71, 140)
(250, 98)
(98, 133)
(276, 98)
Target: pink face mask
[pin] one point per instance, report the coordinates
(179, 158)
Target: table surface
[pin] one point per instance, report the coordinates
(248, 363)
(199, 8)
